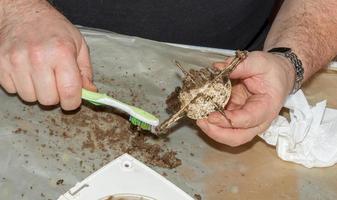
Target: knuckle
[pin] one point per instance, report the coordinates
(37, 54)
(69, 92)
(15, 58)
(64, 47)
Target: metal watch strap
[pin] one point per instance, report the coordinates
(297, 63)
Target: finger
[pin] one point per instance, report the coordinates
(88, 84)
(20, 74)
(255, 111)
(253, 65)
(233, 106)
(68, 83)
(85, 67)
(228, 136)
(218, 119)
(239, 95)
(24, 86)
(45, 86)
(7, 83)
(238, 99)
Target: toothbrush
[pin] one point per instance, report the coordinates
(138, 117)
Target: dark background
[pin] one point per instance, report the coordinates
(239, 24)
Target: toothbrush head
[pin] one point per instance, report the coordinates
(141, 124)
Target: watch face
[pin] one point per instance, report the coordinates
(280, 50)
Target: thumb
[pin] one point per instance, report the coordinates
(85, 67)
(255, 64)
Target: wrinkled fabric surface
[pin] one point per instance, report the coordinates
(33, 160)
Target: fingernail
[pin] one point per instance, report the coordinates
(88, 84)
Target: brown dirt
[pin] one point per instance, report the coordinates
(197, 197)
(107, 132)
(100, 134)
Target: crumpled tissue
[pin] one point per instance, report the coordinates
(310, 138)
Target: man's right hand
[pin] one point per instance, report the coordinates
(43, 57)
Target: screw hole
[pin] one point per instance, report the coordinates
(127, 165)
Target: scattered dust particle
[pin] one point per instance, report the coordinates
(18, 130)
(71, 150)
(197, 197)
(192, 154)
(42, 195)
(164, 174)
(18, 118)
(65, 135)
(60, 182)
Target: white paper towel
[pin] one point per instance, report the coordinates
(310, 138)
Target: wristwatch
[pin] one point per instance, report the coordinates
(297, 63)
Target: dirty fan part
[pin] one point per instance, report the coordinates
(214, 98)
(203, 92)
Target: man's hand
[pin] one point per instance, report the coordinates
(43, 57)
(309, 28)
(265, 80)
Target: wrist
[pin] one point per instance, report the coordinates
(288, 69)
(294, 63)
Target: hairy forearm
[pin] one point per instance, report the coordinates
(309, 28)
(13, 8)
